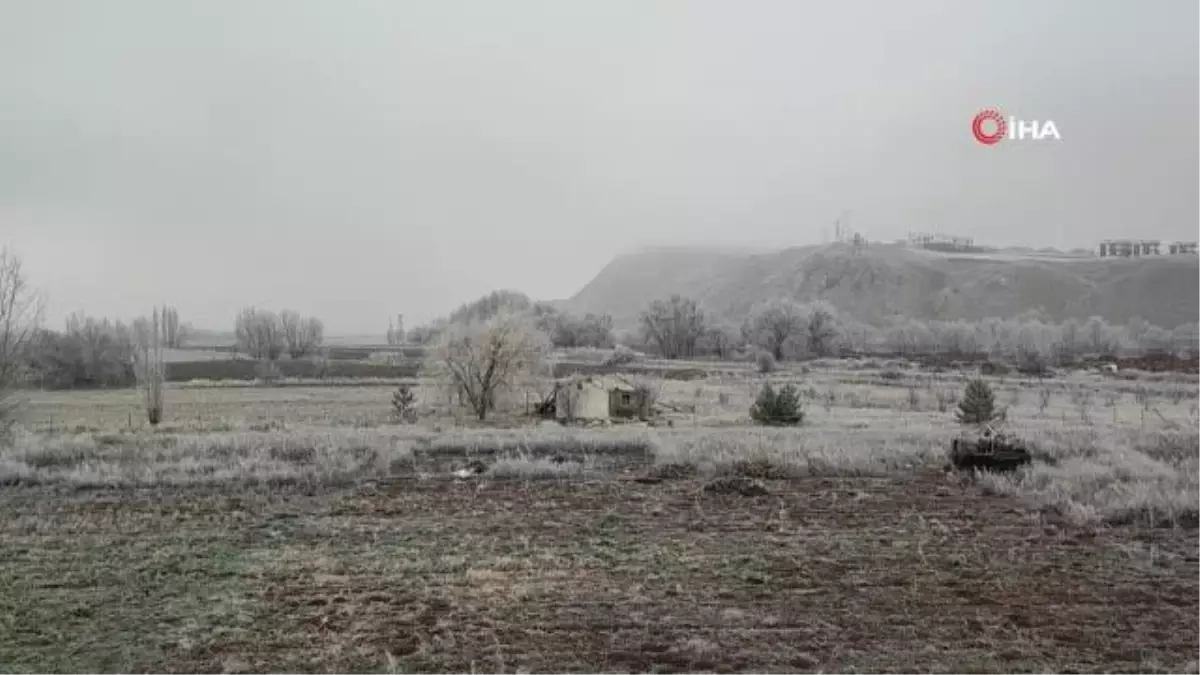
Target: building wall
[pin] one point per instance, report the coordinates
(581, 400)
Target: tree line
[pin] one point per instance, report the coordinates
(99, 352)
(266, 336)
(676, 327)
(96, 352)
(483, 347)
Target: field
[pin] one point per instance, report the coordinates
(300, 528)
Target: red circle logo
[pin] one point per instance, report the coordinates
(979, 127)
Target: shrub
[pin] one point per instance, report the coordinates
(621, 356)
(777, 408)
(765, 361)
(994, 368)
(978, 405)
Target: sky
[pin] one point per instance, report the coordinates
(352, 160)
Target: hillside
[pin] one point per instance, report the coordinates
(885, 280)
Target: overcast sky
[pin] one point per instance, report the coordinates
(352, 160)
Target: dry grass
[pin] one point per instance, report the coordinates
(1110, 450)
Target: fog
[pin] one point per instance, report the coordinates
(354, 160)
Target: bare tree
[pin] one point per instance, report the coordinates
(1101, 338)
(721, 339)
(168, 324)
(92, 352)
(860, 336)
(567, 330)
(907, 336)
(301, 336)
(20, 315)
(289, 323)
(821, 330)
(428, 333)
(1186, 337)
(312, 335)
(774, 324)
(1070, 339)
(481, 357)
(675, 325)
(953, 338)
(150, 366)
(1037, 344)
(260, 334)
(1157, 339)
(395, 334)
(175, 334)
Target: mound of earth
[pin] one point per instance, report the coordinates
(882, 281)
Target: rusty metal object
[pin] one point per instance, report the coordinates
(991, 451)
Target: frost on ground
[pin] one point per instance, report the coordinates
(301, 528)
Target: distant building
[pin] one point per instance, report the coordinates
(1132, 248)
(942, 242)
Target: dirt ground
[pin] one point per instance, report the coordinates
(609, 575)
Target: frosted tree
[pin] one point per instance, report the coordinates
(480, 357)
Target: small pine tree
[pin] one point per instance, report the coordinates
(978, 405)
(777, 408)
(404, 403)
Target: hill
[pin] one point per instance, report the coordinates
(883, 281)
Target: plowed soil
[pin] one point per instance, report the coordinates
(482, 575)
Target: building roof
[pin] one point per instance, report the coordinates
(605, 382)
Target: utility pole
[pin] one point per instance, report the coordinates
(839, 230)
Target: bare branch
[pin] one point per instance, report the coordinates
(20, 315)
